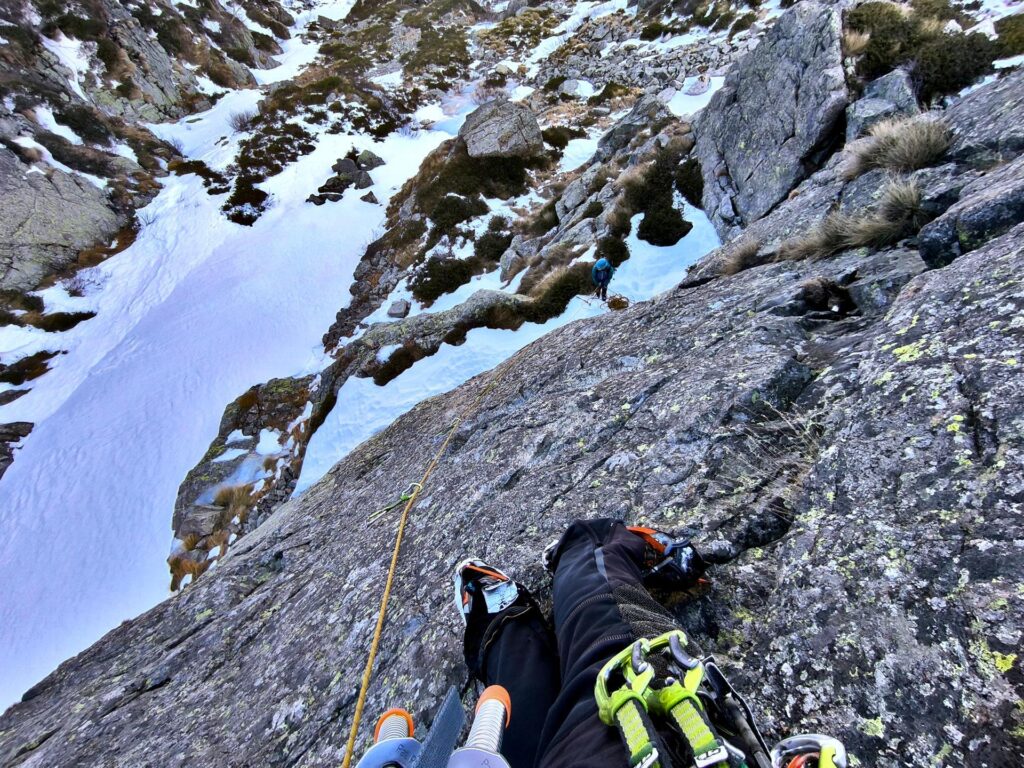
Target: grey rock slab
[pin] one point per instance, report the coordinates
(46, 218)
(867, 473)
(989, 206)
(502, 129)
(399, 308)
(778, 111)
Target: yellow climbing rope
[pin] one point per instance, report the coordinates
(364, 686)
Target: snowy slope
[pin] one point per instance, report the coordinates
(196, 311)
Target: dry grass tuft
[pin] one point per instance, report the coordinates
(900, 144)
(182, 567)
(855, 43)
(618, 218)
(897, 214)
(189, 542)
(741, 255)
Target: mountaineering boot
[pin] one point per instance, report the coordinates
(481, 586)
(669, 563)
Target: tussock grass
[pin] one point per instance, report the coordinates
(897, 214)
(741, 255)
(855, 43)
(899, 144)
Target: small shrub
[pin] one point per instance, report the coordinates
(742, 24)
(613, 249)
(593, 210)
(901, 144)
(1011, 35)
(893, 37)
(242, 120)
(741, 255)
(690, 182)
(26, 369)
(559, 136)
(490, 246)
(619, 220)
(663, 225)
(439, 276)
(942, 62)
(554, 83)
(543, 221)
(85, 122)
(952, 62)
(451, 211)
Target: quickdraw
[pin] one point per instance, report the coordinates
(406, 495)
(695, 695)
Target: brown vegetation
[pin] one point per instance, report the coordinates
(897, 214)
(900, 144)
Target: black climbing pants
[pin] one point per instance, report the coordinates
(602, 291)
(600, 606)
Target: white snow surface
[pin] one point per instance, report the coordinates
(196, 311)
(683, 104)
(69, 52)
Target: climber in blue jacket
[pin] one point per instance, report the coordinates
(602, 275)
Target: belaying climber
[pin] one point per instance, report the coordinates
(602, 273)
(604, 622)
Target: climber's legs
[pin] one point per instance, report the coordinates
(516, 649)
(600, 606)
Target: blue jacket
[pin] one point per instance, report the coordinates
(602, 272)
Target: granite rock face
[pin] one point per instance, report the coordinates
(48, 218)
(864, 467)
(502, 129)
(785, 99)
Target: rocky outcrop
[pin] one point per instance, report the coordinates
(502, 129)
(786, 99)
(989, 206)
(10, 435)
(889, 96)
(48, 217)
(863, 468)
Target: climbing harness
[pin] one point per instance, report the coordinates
(406, 495)
(699, 704)
(416, 488)
(674, 699)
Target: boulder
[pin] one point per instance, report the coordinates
(345, 165)
(989, 206)
(646, 111)
(774, 119)
(502, 129)
(367, 160)
(46, 219)
(369, 197)
(399, 308)
(891, 95)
